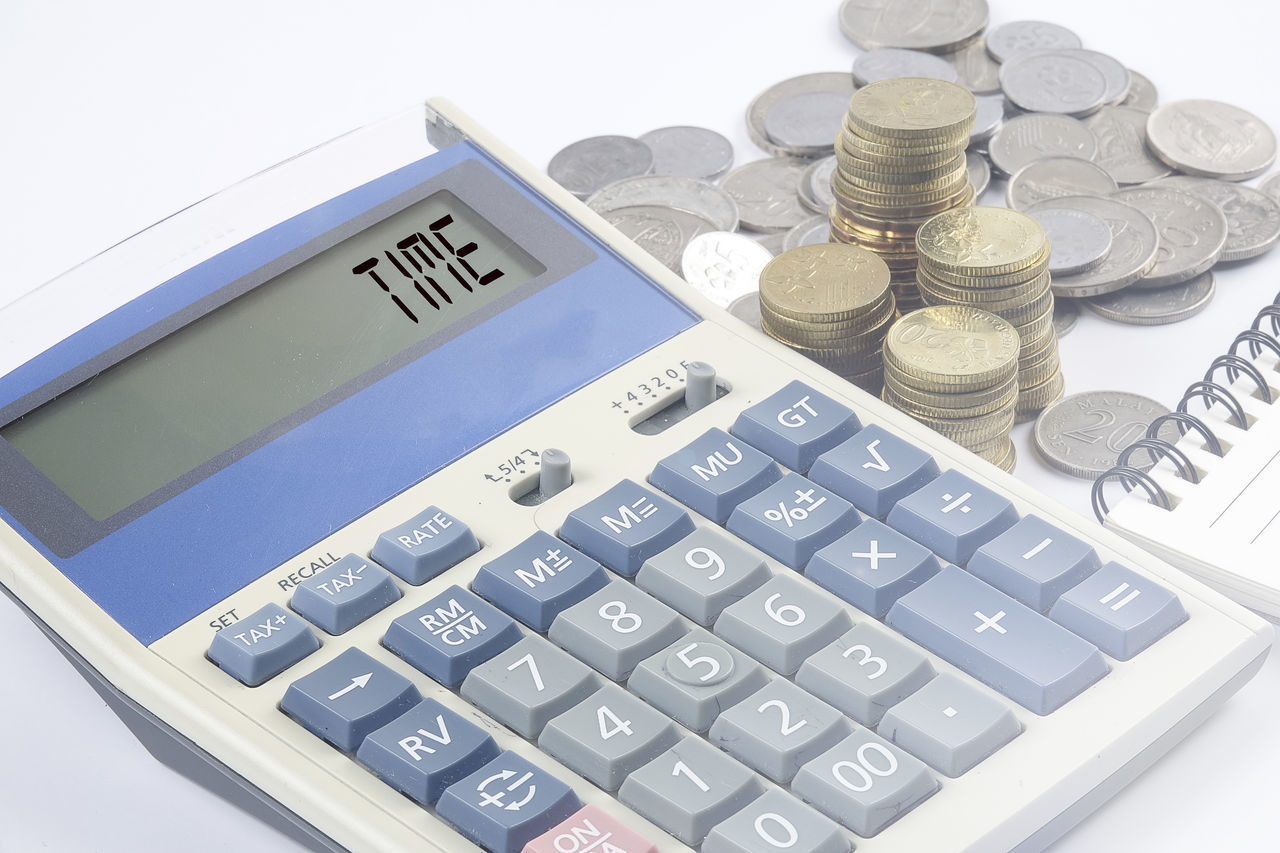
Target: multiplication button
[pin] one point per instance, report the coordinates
(872, 566)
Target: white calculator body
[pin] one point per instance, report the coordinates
(271, 476)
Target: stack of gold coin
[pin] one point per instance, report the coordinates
(954, 368)
(832, 303)
(997, 259)
(900, 159)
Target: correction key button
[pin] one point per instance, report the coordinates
(262, 645)
(795, 425)
(998, 640)
(425, 545)
(626, 526)
(953, 516)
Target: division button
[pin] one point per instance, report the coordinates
(625, 526)
(425, 545)
(950, 724)
(425, 750)
(506, 804)
(538, 578)
(714, 474)
(345, 594)
(1119, 611)
(450, 635)
(796, 425)
(873, 470)
(1034, 562)
(953, 516)
(348, 698)
(262, 645)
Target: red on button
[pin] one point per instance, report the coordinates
(590, 830)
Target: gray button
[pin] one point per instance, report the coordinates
(625, 526)
(607, 736)
(953, 516)
(792, 519)
(865, 672)
(950, 725)
(702, 574)
(782, 623)
(1119, 611)
(615, 628)
(425, 545)
(874, 469)
(349, 697)
(714, 474)
(795, 425)
(871, 566)
(778, 728)
(776, 821)
(528, 684)
(262, 645)
(1001, 642)
(695, 677)
(345, 594)
(1034, 562)
(865, 782)
(689, 789)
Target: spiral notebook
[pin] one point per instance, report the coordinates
(1211, 503)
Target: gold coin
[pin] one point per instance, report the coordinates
(824, 281)
(1032, 400)
(970, 402)
(913, 108)
(1015, 296)
(871, 174)
(982, 241)
(953, 348)
(1037, 270)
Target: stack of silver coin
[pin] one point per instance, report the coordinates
(900, 160)
(997, 259)
(832, 303)
(954, 368)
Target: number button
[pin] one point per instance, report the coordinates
(865, 782)
(777, 729)
(782, 623)
(689, 789)
(695, 677)
(865, 672)
(616, 628)
(608, 736)
(776, 822)
(528, 684)
(702, 574)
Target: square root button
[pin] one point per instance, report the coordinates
(796, 425)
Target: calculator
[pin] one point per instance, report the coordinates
(395, 496)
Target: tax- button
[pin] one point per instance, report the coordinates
(796, 425)
(349, 697)
(262, 645)
(425, 545)
(345, 594)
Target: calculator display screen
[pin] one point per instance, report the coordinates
(246, 365)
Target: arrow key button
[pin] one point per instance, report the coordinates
(349, 697)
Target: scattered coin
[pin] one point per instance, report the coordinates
(1156, 306)
(1052, 81)
(747, 309)
(1142, 93)
(1080, 240)
(723, 266)
(1271, 186)
(948, 26)
(1193, 232)
(692, 152)
(1122, 145)
(1135, 245)
(1065, 314)
(661, 231)
(832, 88)
(692, 195)
(815, 185)
(1253, 217)
(1027, 138)
(807, 233)
(977, 71)
(590, 164)
(979, 172)
(876, 65)
(989, 119)
(1057, 177)
(1211, 139)
(1082, 435)
(768, 193)
(1017, 36)
(772, 242)
(1116, 75)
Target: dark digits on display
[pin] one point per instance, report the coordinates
(420, 260)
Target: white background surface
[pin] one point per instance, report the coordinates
(116, 114)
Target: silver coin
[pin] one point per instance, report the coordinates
(1035, 136)
(661, 231)
(1065, 314)
(1057, 177)
(701, 198)
(988, 120)
(832, 83)
(807, 122)
(1122, 145)
(1142, 93)
(1051, 81)
(977, 71)
(938, 26)
(1079, 241)
(979, 172)
(1082, 435)
(589, 164)
(1113, 71)
(807, 233)
(1253, 217)
(1211, 139)
(1134, 246)
(1017, 36)
(768, 193)
(815, 186)
(692, 152)
(723, 266)
(876, 65)
(1156, 306)
(747, 309)
(1271, 186)
(772, 242)
(1193, 232)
